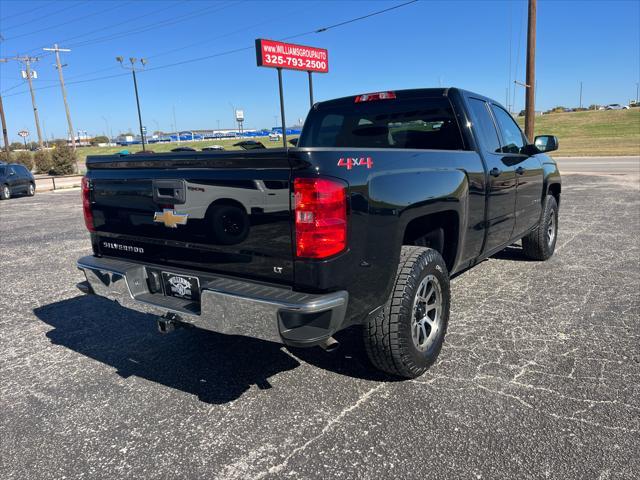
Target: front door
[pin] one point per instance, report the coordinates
(528, 169)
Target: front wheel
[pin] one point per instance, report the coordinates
(31, 191)
(406, 335)
(541, 242)
(5, 192)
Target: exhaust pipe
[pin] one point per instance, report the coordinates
(330, 344)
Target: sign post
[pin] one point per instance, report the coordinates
(24, 134)
(279, 55)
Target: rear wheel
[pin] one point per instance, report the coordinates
(405, 337)
(541, 242)
(5, 192)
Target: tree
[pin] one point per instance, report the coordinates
(63, 161)
(16, 146)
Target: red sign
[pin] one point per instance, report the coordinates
(271, 53)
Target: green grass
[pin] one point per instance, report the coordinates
(593, 133)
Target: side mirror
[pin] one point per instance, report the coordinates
(294, 142)
(546, 143)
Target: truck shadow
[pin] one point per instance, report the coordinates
(216, 368)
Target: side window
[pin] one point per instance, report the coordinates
(22, 171)
(12, 171)
(484, 125)
(512, 137)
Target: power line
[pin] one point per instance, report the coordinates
(152, 26)
(73, 20)
(40, 14)
(231, 51)
(133, 19)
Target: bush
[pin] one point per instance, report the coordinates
(42, 161)
(6, 157)
(63, 161)
(24, 158)
(16, 146)
(99, 139)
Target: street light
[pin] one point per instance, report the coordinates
(133, 61)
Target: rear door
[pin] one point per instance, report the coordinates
(502, 182)
(528, 169)
(207, 211)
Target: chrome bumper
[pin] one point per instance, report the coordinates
(226, 305)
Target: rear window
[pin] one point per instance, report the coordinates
(424, 123)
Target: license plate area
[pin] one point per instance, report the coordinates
(180, 286)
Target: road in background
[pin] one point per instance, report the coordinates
(538, 378)
(606, 165)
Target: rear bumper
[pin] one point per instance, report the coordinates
(229, 306)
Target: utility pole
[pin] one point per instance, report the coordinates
(529, 116)
(28, 75)
(64, 90)
(5, 135)
(580, 94)
(133, 60)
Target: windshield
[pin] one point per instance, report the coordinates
(425, 123)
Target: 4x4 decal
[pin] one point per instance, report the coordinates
(351, 162)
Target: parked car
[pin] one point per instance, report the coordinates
(212, 147)
(183, 149)
(386, 195)
(16, 179)
(616, 106)
(249, 145)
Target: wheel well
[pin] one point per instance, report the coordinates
(226, 201)
(554, 189)
(438, 231)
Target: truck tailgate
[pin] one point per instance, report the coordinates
(215, 212)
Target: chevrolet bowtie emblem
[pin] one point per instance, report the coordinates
(170, 218)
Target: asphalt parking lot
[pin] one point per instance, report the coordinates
(539, 376)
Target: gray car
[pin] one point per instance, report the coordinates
(16, 179)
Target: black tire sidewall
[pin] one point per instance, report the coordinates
(429, 263)
(2, 194)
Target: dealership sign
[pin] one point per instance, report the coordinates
(271, 53)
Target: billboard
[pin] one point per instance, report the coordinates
(239, 115)
(271, 53)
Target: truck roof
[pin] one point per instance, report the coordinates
(401, 94)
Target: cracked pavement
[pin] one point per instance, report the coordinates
(539, 376)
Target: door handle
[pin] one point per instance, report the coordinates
(520, 170)
(495, 172)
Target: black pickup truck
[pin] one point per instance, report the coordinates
(384, 197)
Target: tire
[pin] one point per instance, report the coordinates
(541, 242)
(394, 341)
(5, 192)
(230, 224)
(31, 190)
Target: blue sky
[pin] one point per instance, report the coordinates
(428, 43)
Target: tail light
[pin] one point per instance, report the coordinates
(371, 97)
(321, 217)
(86, 205)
